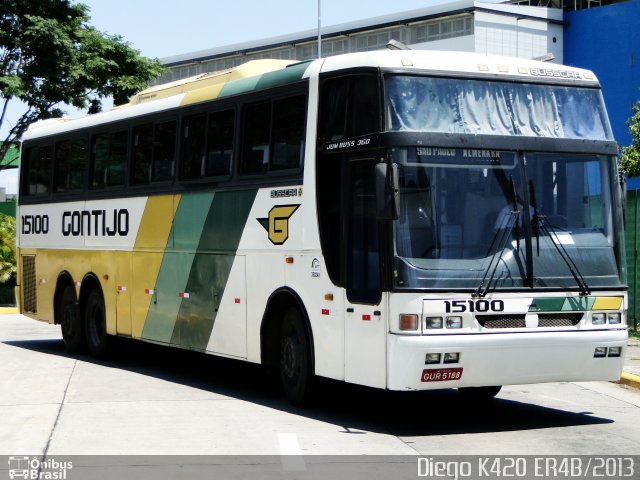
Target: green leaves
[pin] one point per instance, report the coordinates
(630, 159)
(50, 56)
(7, 250)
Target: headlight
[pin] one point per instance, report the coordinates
(432, 358)
(433, 322)
(615, 351)
(598, 318)
(454, 322)
(615, 317)
(451, 357)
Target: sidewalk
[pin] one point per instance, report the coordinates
(631, 371)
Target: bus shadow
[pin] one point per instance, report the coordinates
(356, 409)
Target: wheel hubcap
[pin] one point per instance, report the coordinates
(68, 321)
(290, 355)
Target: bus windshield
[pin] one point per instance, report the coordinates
(455, 105)
(463, 220)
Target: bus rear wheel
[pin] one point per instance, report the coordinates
(95, 324)
(68, 315)
(295, 358)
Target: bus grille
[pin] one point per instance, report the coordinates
(501, 321)
(29, 297)
(559, 319)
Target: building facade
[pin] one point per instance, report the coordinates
(464, 25)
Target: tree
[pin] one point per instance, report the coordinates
(7, 250)
(50, 57)
(630, 161)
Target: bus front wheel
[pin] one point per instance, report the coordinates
(295, 358)
(68, 314)
(96, 324)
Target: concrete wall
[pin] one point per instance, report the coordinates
(518, 31)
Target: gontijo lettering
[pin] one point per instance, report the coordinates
(96, 223)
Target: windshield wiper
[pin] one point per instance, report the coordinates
(535, 222)
(548, 229)
(540, 222)
(504, 234)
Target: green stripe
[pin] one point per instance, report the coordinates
(211, 266)
(578, 303)
(176, 266)
(546, 304)
(558, 304)
(286, 75)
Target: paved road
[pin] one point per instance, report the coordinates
(154, 400)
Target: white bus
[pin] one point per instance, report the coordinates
(403, 220)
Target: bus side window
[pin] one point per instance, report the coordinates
(70, 165)
(154, 152)
(349, 107)
(220, 136)
(142, 154)
(109, 160)
(164, 151)
(193, 146)
(273, 137)
(257, 126)
(37, 170)
(288, 133)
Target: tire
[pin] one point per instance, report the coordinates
(95, 324)
(479, 394)
(295, 358)
(68, 315)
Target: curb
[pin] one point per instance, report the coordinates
(629, 379)
(8, 310)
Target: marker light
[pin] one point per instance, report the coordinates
(598, 319)
(614, 317)
(432, 358)
(454, 322)
(408, 322)
(615, 351)
(451, 357)
(600, 352)
(433, 322)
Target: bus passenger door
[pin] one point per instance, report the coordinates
(365, 322)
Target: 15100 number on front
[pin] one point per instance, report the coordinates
(460, 306)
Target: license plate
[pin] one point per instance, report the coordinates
(441, 374)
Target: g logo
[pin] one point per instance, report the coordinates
(277, 225)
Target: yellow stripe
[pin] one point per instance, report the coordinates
(201, 94)
(151, 243)
(607, 303)
(156, 222)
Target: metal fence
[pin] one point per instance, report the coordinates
(632, 234)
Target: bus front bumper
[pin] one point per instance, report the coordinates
(503, 358)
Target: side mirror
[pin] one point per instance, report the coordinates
(387, 191)
(622, 185)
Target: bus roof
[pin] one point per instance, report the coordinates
(210, 80)
(262, 74)
(463, 63)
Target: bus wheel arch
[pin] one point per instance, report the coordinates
(287, 344)
(93, 310)
(68, 314)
